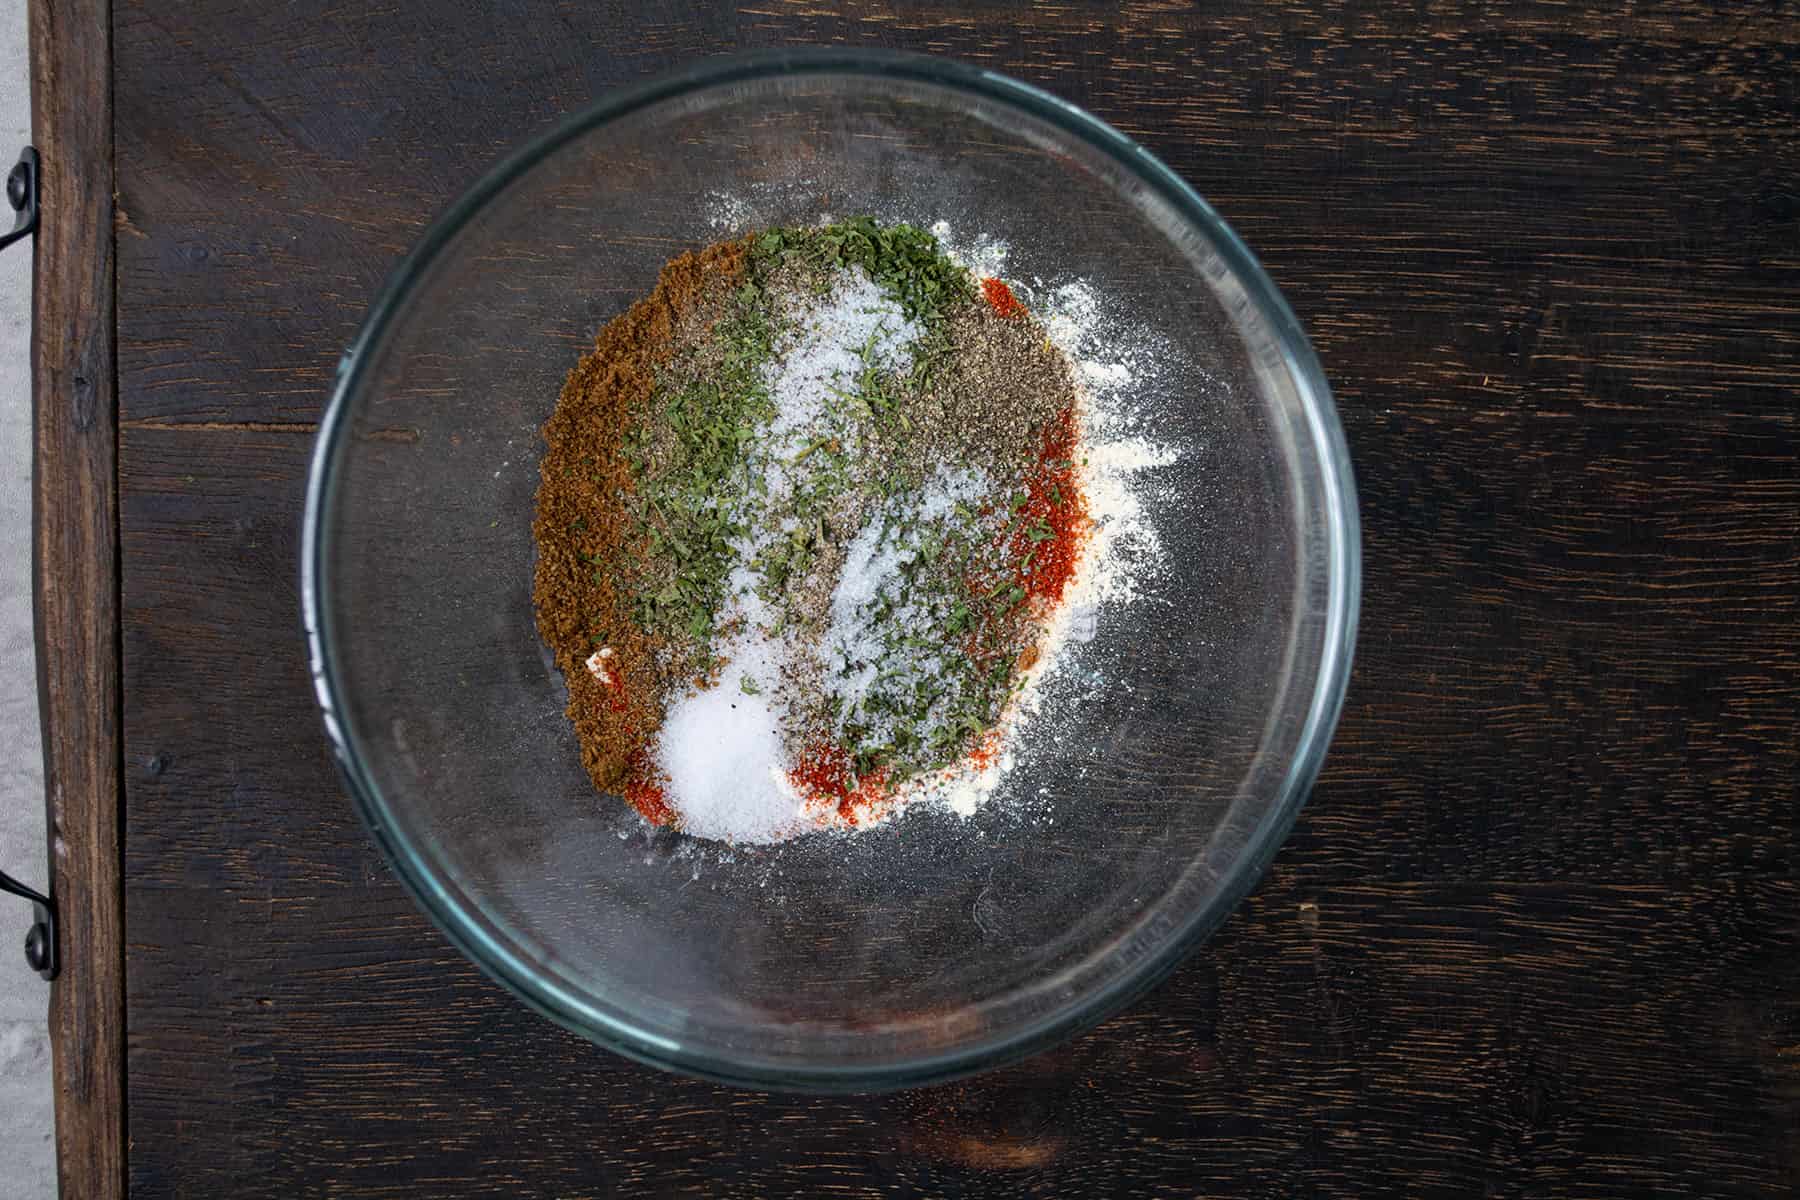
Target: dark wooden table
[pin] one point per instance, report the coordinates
(1538, 931)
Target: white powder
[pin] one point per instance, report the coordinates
(874, 559)
(871, 579)
(872, 563)
(948, 487)
(721, 747)
(982, 255)
(722, 753)
(856, 326)
(729, 214)
(816, 362)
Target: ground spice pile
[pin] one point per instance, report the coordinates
(803, 516)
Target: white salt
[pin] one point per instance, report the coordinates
(948, 487)
(871, 563)
(727, 213)
(872, 573)
(721, 747)
(855, 326)
(721, 751)
(874, 559)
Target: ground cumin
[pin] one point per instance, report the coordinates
(582, 524)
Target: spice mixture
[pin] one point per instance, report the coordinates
(806, 514)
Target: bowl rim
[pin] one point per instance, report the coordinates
(548, 997)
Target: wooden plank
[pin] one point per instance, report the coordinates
(1613, 307)
(75, 531)
(1422, 141)
(1535, 933)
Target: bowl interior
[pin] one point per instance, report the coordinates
(936, 942)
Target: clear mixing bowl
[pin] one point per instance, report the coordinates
(937, 944)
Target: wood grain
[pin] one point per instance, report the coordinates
(1535, 934)
(75, 544)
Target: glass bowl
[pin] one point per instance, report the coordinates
(936, 944)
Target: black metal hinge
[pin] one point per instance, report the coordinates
(41, 940)
(22, 194)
